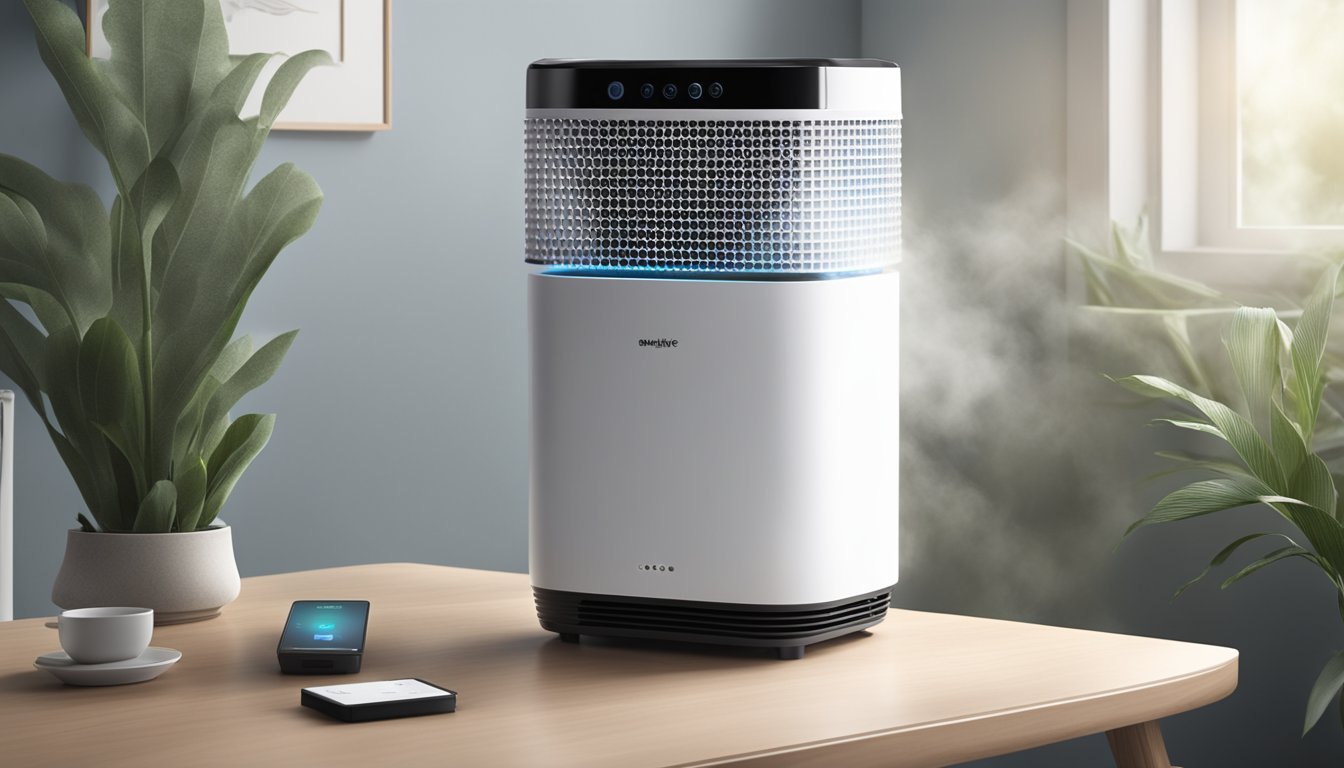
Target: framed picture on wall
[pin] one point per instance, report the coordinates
(353, 95)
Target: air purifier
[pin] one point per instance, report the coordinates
(714, 347)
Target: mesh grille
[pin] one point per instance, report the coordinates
(714, 195)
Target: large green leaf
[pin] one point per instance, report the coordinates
(283, 83)
(279, 209)
(191, 484)
(163, 54)
(190, 425)
(1321, 529)
(243, 440)
(1206, 496)
(1236, 430)
(1289, 449)
(109, 381)
(102, 114)
(1327, 685)
(158, 511)
(91, 450)
(1190, 462)
(252, 374)
(23, 351)
(1253, 345)
(1313, 484)
(72, 266)
(1308, 349)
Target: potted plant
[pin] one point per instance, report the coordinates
(1281, 436)
(127, 350)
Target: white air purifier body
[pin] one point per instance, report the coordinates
(714, 348)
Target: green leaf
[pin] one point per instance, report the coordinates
(109, 378)
(252, 374)
(1327, 685)
(1289, 449)
(1191, 462)
(1322, 531)
(116, 434)
(163, 53)
(190, 426)
(158, 510)
(191, 488)
(106, 120)
(241, 443)
(23, 351)
(84, 449)
(286, 79)
(1253, 344)
(1237, 431)
(152, 198)
(71, 267)
(1223, 555)
(1269, 559)
(1308, 348)
(1206, 496)
(1123, 278)
(1195, 426)
(1313, 484)
(281, 207)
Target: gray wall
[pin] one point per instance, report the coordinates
(402, 406)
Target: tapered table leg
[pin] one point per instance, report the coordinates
(1139, 746)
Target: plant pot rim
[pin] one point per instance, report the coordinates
(212, 529)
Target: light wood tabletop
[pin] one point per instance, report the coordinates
(920, 689)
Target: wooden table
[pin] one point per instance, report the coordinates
(920, 689)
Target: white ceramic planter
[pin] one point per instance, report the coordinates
(182, 576)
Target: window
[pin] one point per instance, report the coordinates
(1290, 112)
(1223, 120)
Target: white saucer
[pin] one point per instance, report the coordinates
(147, 666)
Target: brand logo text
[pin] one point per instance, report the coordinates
(659, 343)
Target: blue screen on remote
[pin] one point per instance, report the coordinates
(328, 625)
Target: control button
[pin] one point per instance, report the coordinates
(615, 90)
(670, 91)
(695, 91)
(715, 90)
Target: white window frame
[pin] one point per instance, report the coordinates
(1152, 128)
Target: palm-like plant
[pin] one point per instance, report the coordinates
(131, 362)
(1281, 377)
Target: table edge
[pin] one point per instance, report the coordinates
(1221, 679)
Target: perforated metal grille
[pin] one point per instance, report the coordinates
(714, 195)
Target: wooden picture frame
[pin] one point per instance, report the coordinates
(354, 95)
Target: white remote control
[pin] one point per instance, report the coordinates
(358, 702)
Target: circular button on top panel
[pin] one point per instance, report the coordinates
(670, 91)
(715, 90)
(615, 90)
(646, 90)
(695, 91)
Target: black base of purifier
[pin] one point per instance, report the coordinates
(788, 628)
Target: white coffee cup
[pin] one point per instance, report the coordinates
(100, 635)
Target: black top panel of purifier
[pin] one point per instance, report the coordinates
(683, 83)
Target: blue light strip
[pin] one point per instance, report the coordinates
(720, 276)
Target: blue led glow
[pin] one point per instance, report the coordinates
(703, 276)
